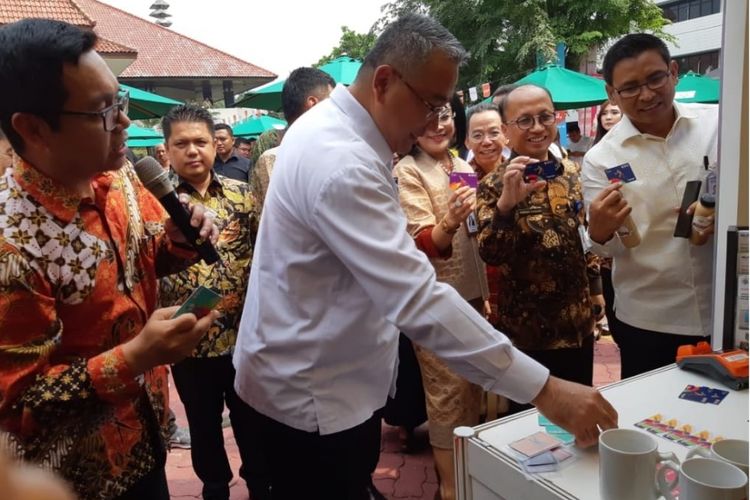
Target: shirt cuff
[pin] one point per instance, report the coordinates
(522, 380)
(503, 222)
(111, 376)
(426, 244)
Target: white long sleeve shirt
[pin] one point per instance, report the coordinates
(664, 284)
(335, 276)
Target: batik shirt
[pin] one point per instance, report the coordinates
(78, 278)
(237, 222)
(545, 302)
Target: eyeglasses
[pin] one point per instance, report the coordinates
(433, 110)
(526, 122)
(492, 135)
(109, 115)
(446, 116)
(653, 82)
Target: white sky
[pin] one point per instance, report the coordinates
(277, 35)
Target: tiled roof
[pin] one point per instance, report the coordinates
(163, 52)
(62, 10)
(104, 46)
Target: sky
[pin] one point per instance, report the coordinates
(277, 35)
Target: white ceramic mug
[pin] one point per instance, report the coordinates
(710, 479)
(627, 466)
(734, 451)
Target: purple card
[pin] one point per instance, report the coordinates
(458, 179)
(621, 173)
(695, 393)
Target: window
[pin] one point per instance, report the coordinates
(682, 10)
(698, 63)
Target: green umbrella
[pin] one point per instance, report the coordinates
(343, 69)
(569, 89)
(257, 125)
(264, 97)
(141, 137)
(692, 87)
(145, 105)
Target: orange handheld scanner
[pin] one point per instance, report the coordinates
(730, 367)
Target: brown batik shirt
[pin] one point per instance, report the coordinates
(546, 277)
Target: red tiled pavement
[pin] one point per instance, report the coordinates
(398, 476)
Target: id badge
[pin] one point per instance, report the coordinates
(586, 243)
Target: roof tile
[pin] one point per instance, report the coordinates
(62, 10)
(163, 52)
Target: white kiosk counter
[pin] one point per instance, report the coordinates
(487, 470)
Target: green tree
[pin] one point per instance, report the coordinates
(351, 44)
(506, 38)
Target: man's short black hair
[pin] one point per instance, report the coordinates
(572, 127)
(480, 108)
(301, 84)
(32, 55)
(223, 126)
(189, 113)
(629, 46)
(503, 105)
(241, 140)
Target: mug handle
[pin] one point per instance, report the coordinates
(698, 451)
(669, 462)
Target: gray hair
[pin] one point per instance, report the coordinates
(407, 42)
(480, 108)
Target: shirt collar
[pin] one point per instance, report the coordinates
(362, 122)
(57, 199)
(625, 129)
(217, 183)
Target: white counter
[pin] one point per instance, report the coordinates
(491, 472)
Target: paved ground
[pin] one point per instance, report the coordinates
(398, 476)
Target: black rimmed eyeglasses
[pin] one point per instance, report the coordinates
(433, 111)
(109, 115)
(653, 82)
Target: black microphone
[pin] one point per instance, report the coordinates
(156, 180)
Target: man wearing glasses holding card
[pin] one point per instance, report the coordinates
(662, 285)
(83, 389)
(531, 227)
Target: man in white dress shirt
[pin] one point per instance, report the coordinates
(662, 286)
(335, 276)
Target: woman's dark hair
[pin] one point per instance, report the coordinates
(460, 124)
(600, 130)
(32, 55)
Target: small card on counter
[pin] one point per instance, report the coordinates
(620, 173)
(549, 461)
(703, 394)
(536, 444)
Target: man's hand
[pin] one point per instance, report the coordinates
(579, 409)
(200, 217)
(515, 188)
(607, 213)
(164, 340)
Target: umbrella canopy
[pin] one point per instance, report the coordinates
(692, 87)
(257, 125)
(147, 104)
(569, 89)
(140, 137)
(264, 97)
(342, 69)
